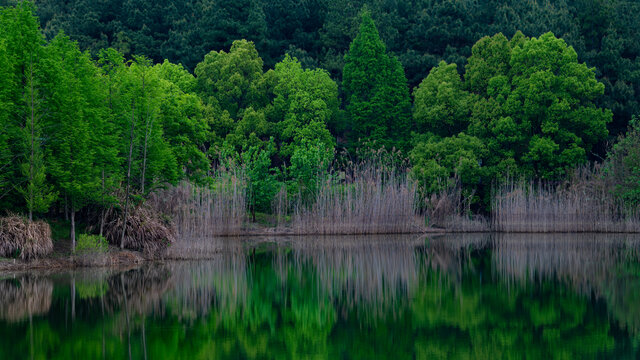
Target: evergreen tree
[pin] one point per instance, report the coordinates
(376, 90)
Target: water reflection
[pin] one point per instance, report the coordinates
(465, 296)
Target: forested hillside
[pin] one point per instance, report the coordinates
(102, 103)
(420, 33)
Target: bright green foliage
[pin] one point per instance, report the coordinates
(91, 244)
(305, 101)
(228, 81)
(309, 163)
(441, 105)
(109, 159)
(140, 102)
(531, 108)
(6, 155)
(76, 105)
(262, 178)
(182, 115)
(489, 58)
(376, 90)
(623, 165)
(552, 100)
(20, 34)
(439, 162)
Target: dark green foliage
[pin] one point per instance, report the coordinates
(376, 91)
(623, 165)
(263, 184)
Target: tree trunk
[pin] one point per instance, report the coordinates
(31, 159)
(73, 229)
(126, 201)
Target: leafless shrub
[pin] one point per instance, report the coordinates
(29, 239)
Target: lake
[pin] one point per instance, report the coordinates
(472, 296)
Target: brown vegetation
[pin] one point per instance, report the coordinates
(200, 211)
(25, 297)
(451, 211)
(370, 200)
(584, 203)
(145, 231)
(27, 239)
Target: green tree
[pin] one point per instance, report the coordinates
(376, 91)
(439, 162)
(623, 165)
(441, 105)
(262, 178)
(309, 163)
(305, 102)
(23, 99)
(76, 108)
(228, 81)
(184, 122)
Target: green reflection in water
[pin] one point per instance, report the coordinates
(463, 297)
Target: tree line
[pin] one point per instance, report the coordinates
(103, 128)
(420, 33)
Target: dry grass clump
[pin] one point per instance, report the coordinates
(584, 203)
(203, 211)
(450, 210)
(28, 239)
(145, 231)
(21, 298)
(367, 198)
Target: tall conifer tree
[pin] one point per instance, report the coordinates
(376, 90)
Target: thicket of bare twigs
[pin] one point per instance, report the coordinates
(25, 239)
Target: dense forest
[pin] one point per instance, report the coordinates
(420, 33)
(104, 102)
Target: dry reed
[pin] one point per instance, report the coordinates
(450, 210)
(29, 239)
(205, 211)
(370, 199)
(584, 203)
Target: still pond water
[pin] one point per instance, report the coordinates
(451, 297)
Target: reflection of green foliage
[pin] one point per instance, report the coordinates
(286, 310)
(91, 290)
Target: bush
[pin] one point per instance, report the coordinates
(91, 244)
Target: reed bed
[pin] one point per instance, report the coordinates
(205, 211)
(27, 239)
(450, 210)
(585, 203)
(370, 199)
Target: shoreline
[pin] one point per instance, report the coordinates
(119, 259)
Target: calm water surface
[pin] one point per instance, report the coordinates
(454, 297)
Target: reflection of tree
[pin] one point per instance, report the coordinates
(605, 265)
(360, 298)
